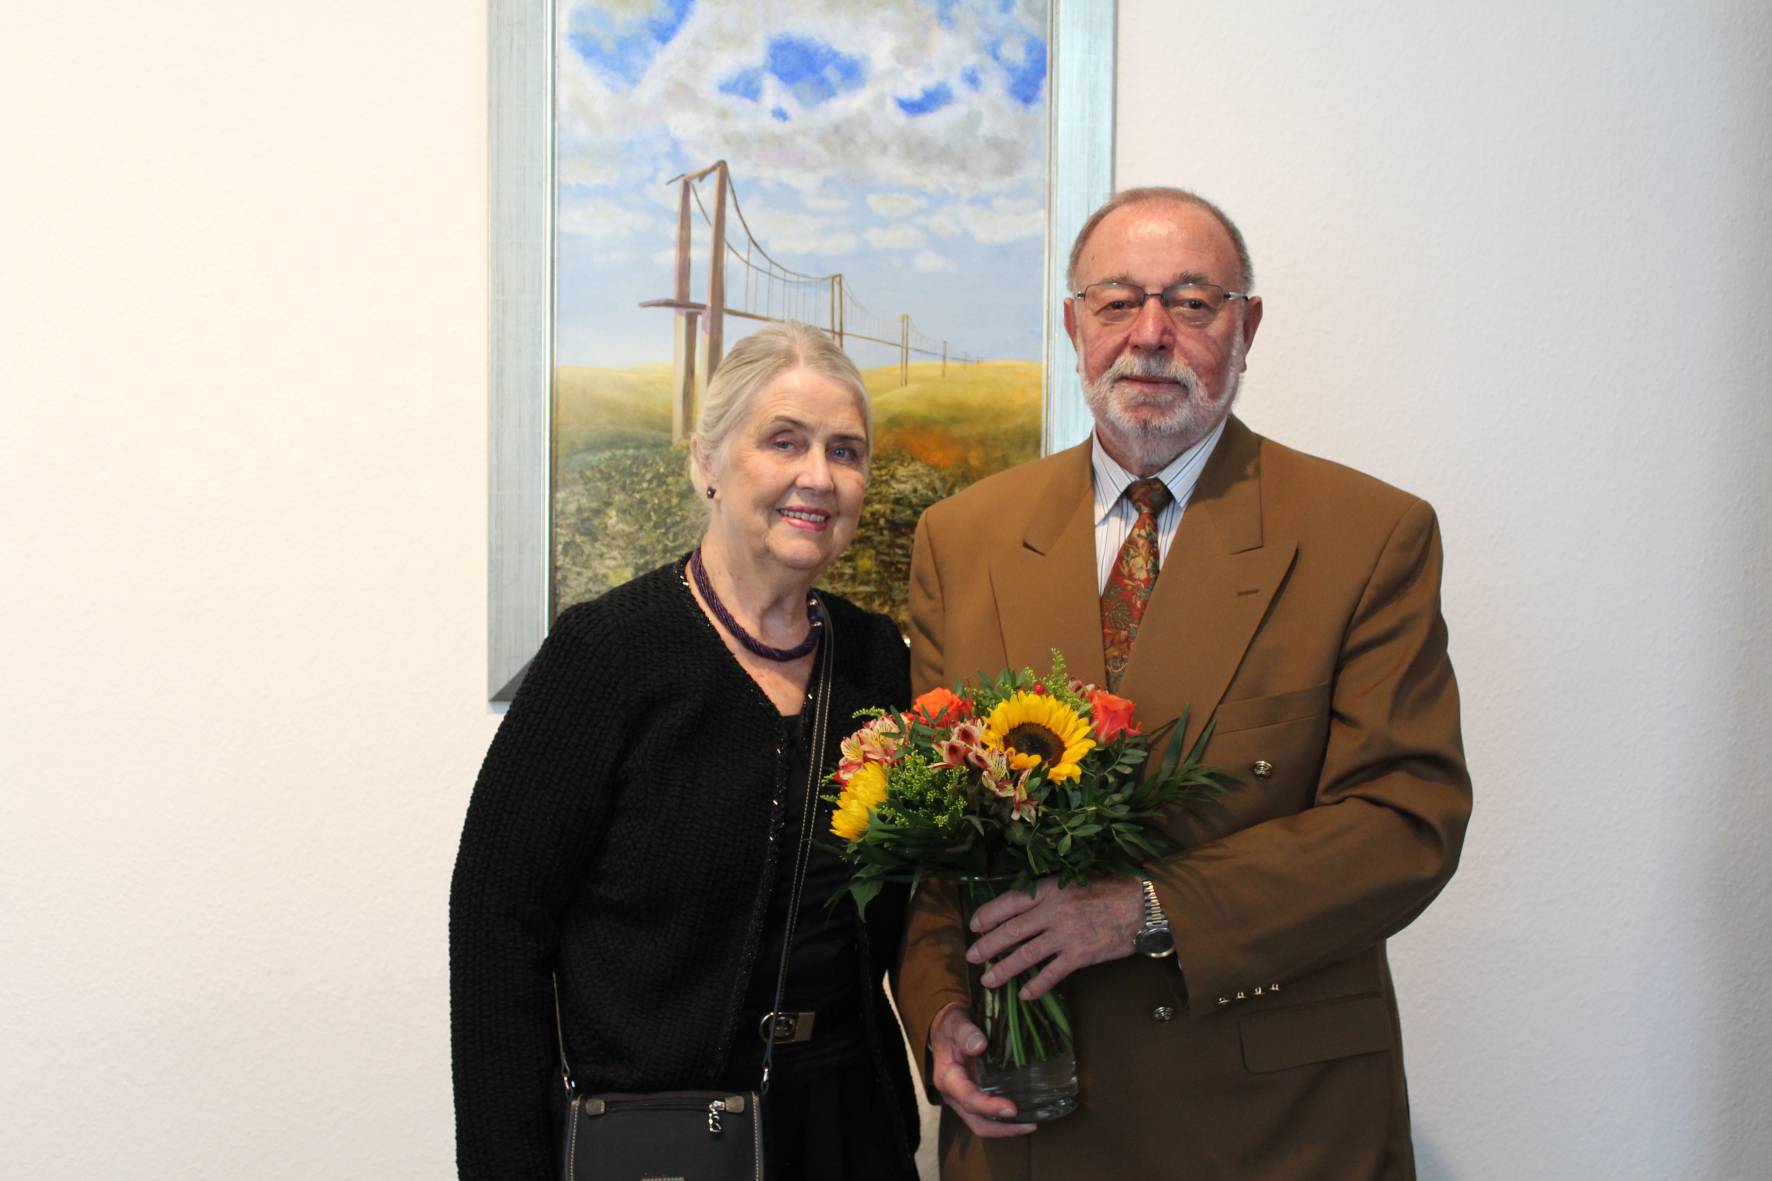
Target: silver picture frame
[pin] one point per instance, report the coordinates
(1080, 170)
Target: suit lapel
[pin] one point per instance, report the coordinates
(1045, 588)
(1211, 593)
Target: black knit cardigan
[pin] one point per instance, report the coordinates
(620, 835)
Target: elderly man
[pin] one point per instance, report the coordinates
(1234, 1010)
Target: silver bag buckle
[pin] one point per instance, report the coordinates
(790, 1028)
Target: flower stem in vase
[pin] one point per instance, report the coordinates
(1028, 1055)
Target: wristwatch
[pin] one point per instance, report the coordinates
(1153, 938)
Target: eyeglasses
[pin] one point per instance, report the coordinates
(1191, 305)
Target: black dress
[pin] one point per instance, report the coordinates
(829, 1111)
(619, 841)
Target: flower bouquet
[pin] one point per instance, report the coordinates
(997, 785)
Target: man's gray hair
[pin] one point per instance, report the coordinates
(1168, 193)
(756, 361)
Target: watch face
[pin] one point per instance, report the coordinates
(1155, 941)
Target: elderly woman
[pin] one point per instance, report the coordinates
(637, 825)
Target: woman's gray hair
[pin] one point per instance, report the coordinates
(756, 361)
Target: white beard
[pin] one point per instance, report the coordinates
(1152, 442)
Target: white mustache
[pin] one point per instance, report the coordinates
(1129, 365)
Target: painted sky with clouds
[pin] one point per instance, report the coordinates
(901, 142)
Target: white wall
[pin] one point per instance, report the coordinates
(1513, 261)
(242, 411)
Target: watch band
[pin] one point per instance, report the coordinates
(1153, 938)
(1153, 909)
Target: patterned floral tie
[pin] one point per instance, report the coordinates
(1129, 582)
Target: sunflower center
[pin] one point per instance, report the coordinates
(1030, 738)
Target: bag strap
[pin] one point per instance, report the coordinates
(821, 714)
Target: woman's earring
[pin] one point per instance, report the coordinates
(710, 492)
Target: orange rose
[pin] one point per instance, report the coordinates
(1111, 716)
(940, 707)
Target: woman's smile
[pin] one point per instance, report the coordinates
(802, 517)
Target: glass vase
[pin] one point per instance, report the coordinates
(1029, 1055)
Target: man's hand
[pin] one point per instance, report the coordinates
(1065, 929)
(953, 1042)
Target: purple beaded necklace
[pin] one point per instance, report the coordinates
(814, 618)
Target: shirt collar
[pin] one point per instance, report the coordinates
(1180, 475)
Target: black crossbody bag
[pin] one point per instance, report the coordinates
(692, 1135)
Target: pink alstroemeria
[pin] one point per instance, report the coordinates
(963, 748)
(996, 775)
(876, 742)
(951, 754)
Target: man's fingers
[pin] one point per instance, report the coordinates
(1004, 906)
(954, 1081)
(956, 1035)
(956, 1043)
(1030, 954)
(1067, 928)
(983, 1113)
(1049, 977)
(1002, 937)
(989, 1129)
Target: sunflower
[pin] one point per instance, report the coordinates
(1036, 730)
(865, 791)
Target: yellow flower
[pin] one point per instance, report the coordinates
(1035, 730)
(865, 791)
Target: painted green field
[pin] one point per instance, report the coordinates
(623, 502)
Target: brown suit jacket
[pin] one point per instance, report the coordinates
(1300, 606)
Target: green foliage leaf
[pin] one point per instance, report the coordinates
(864, 891)
(939, 820)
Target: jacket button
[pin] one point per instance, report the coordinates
(1262, 768)
(1224, 1000)
(1163, 1013)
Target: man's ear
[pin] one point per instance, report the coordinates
(1251, 321)
(1070, 323)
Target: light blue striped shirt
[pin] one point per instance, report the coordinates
(1114, 514)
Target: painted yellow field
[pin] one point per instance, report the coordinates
(975, 419)
(622, 503)
(593, 407)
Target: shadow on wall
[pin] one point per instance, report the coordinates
(1430, 1165)
(1738, 876)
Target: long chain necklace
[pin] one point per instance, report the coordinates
(814, 618)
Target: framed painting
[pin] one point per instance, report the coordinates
(669, 175)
